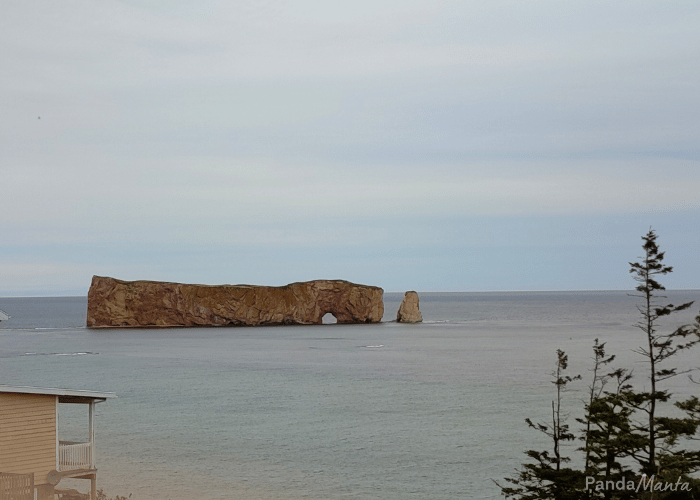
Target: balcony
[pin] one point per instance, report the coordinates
(75, 456)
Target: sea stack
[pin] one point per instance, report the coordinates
(114, 303)
(409, 312)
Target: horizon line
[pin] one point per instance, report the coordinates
(417, 291)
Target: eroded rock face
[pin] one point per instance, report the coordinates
(117, 303)
(409, 311)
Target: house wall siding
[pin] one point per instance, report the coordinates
(28, 434)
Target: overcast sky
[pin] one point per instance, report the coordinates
(413, 145)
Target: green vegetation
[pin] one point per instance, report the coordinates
(102, 496)
(76, 495)
(632, 448)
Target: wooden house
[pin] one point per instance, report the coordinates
(33, 458)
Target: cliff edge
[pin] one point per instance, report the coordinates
(114, 303)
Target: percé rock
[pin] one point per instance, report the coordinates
(409, 311)
(117, 303)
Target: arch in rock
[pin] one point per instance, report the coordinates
(329, 319)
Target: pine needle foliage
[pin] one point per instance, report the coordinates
(661, 433)
(626, 437)
(546, 478)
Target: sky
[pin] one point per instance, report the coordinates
(413, 145)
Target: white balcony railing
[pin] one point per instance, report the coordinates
(72, 456)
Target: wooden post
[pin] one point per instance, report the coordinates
(93, 487)
(92, 434)
(58, 464)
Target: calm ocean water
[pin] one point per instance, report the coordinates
(386, 411)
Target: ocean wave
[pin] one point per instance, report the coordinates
(42, 328)
(59, 328)
(58, 353)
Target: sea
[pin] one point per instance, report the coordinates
(387, 411)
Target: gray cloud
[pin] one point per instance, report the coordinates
(316, 125)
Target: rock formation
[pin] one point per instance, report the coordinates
(117, 303)
(409, 311)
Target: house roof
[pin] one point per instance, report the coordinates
(65, 395)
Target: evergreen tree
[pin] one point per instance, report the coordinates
(609, 437)
(658, 432)
(546, 478)
(595, 391)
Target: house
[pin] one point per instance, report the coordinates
(33, 459)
